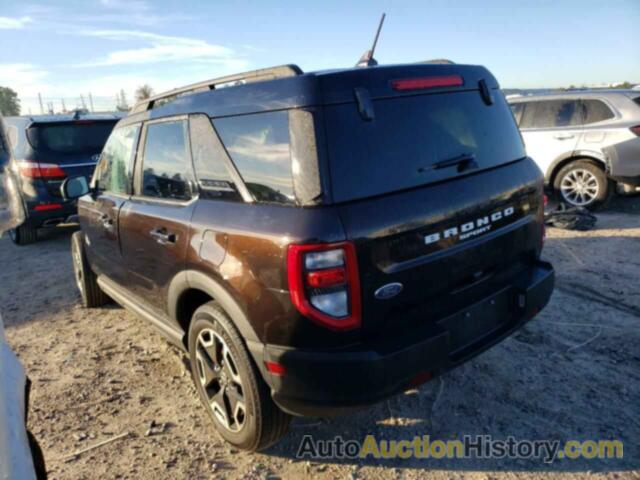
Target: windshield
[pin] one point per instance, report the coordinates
(416, 140)
(79, 137)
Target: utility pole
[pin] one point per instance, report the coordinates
(64, 108)
(91, 102)
(41, 106)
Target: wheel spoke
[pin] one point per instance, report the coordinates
(206, 368)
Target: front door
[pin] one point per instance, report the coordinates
(551, 130)
(157, 218)
(99, 212)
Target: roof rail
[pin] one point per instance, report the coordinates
(261, 75)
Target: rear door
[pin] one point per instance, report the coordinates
(551, 130)
(157, 218)
(99, 212)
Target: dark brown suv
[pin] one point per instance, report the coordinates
(317, 242)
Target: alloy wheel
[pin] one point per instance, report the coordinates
(220, 380)
(579, 187)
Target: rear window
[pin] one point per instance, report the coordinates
(70, 137)
(595, 111)
(408, 135)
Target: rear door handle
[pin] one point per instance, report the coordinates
(162, 236)
(564, 136)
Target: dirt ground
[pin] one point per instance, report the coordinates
(572, 373)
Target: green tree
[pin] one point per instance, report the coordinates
(9, 102)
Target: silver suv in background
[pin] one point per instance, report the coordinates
(584, 141)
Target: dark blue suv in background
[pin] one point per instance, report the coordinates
(47, 149)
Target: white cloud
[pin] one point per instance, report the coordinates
(25, 78)
(8, 23)
(163, 48)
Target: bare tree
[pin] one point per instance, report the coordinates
(143, 92)
(121, 102)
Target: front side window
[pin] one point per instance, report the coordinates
(114, 170)
(259, 146)
(595, 111)
(166, 167)
(551, 113)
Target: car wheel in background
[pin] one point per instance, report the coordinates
(229, 384)
(582, 184)
(24, 234)
(86, 281)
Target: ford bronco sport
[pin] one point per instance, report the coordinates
(317, 242)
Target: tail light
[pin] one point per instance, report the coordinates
(427, 82)
(40, 170)
(324, 284)
(636, 130)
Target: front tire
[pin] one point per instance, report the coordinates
(24, 234)
(87, 282)
(582, 184)
(229, 384)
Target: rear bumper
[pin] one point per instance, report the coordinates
(324, 383)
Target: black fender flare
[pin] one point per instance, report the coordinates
(193, 279)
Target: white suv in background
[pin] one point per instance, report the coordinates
(584, 141)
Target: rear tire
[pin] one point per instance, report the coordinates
(87, 282)
(582, 183)
(229, 384)
(24, 234)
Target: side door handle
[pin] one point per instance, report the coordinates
(163, 236)
(564, 136)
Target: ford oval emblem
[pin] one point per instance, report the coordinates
(388, 291)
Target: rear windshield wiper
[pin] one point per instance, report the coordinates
(464, 161)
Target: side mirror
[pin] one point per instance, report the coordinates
(74, 187)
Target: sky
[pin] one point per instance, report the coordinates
(70, 48)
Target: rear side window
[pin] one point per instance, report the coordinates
(595, 111)
(258, 144)
(114, 170)
(637, 100)
(167, 162)
(399, 148)
(79, 137)
(551, 113)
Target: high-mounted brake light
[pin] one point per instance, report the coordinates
(636, 130)
(324, 284)
(427, 82)
(40, 170)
